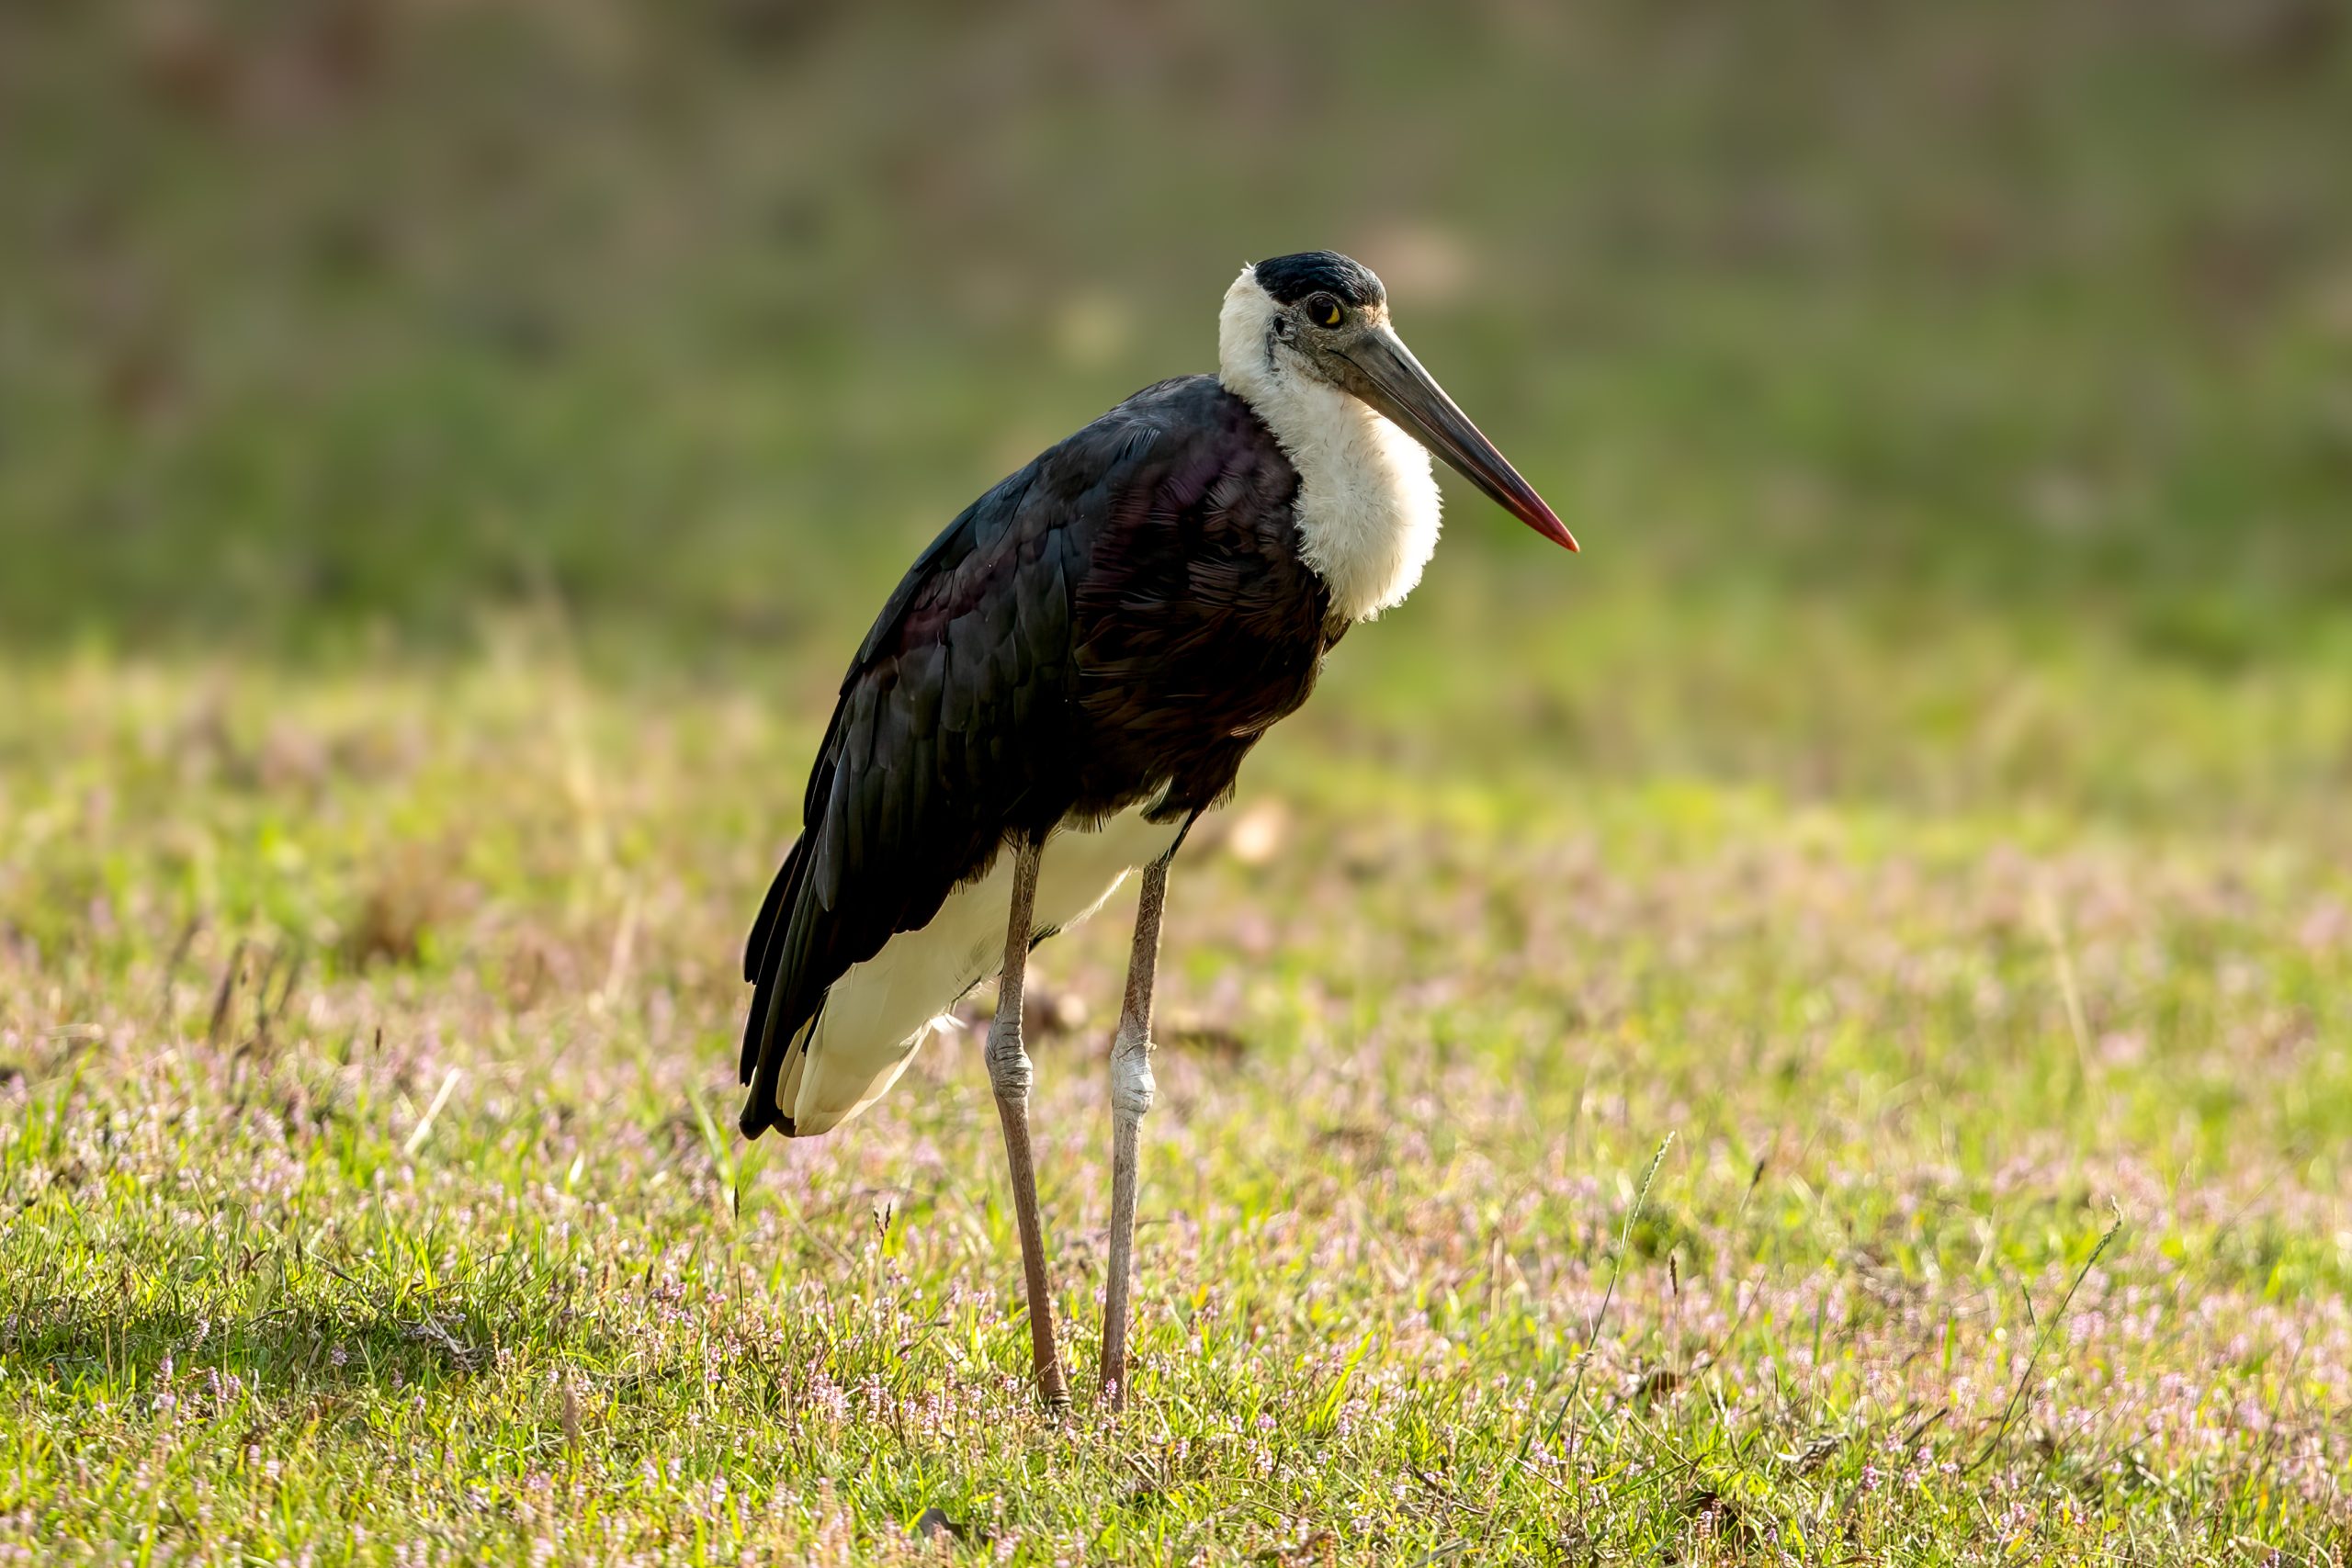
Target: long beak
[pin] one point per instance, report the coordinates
(1395, 383)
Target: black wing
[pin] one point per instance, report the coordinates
(976, 707)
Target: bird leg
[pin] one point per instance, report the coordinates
(1131, 1094)
(1010, 1075)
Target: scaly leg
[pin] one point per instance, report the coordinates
(1010, 1075)
(1131, 1092)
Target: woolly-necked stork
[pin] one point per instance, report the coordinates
(1066, 679)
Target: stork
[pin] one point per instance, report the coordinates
(1067, 678)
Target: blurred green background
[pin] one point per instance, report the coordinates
(1852, 341)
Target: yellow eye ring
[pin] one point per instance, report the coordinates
(1323, 310)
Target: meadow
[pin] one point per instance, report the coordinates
(1818, 1032)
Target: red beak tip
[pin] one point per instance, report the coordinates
(1547, 522)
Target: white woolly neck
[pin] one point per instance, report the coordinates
(1367, 502)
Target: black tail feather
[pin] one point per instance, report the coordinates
(762, 1065)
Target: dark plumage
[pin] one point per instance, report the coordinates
(1117, 624)
(1290, 279)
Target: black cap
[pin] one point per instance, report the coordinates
(1292, 279)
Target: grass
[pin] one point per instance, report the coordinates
(1818, 1031)
(371, 1195)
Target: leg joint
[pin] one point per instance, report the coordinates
(1132, 1086)
(1009, 1072)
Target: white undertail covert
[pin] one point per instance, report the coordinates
(1367, 502)
(882, 1011)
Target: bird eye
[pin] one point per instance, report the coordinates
(1323, 310)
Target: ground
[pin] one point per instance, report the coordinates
(1816, 1032)
(1549, 1164)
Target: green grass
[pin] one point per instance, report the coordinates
(371, 1189)
(1818, 1031)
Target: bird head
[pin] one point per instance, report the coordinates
(1324, 316)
